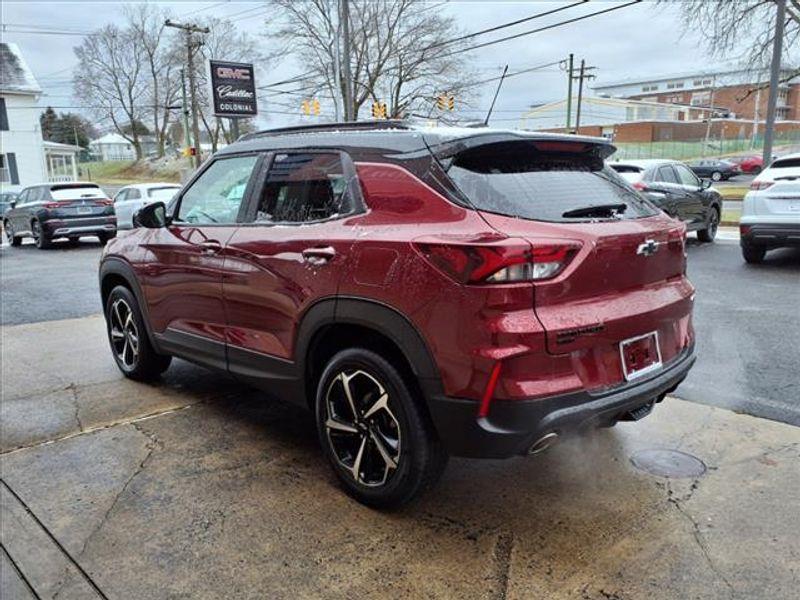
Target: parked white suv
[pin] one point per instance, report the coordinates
(133, 197)
(771, 209)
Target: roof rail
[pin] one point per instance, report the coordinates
(375, 124)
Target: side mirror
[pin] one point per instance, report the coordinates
(705, 184)
(12, 204)
(151, 216)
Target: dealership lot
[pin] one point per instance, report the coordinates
(200, 487)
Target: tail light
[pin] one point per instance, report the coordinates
(744, 230)
(761, 185)
(52, 204)
(509, 261)
(640, 185)
(104, 202)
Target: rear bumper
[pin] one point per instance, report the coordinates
(770, 234)
(514, 425)
(80, 226)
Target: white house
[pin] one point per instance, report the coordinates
(62, 161)
(22, 160)
(112, 146)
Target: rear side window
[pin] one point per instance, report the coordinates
(304, 187)
(665, 174)
(517, 180)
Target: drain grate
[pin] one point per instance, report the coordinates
(668, 463)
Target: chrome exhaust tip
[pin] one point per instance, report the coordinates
(543, 443)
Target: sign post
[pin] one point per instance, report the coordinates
(233, 89)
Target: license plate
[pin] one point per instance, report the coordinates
(640, 355)
(84, 210)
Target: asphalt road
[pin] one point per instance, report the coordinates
(747, 317)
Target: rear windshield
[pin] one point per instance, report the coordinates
(517, 180)
(785, 163)
(75, 192)
(164, 194)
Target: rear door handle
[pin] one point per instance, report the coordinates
(210, 246)
(319, 255)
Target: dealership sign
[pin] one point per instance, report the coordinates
(233, 88)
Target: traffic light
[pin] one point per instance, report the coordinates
(311, 107)
(446, 102)
(379, 110)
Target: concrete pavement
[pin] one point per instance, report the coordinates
(199, 487)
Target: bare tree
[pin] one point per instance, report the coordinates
(750, 24)
(162, 64)
(400, 51)
(110, 78)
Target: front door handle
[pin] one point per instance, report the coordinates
(211, 247)
(319, 255)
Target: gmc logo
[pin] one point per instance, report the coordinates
(233, 73)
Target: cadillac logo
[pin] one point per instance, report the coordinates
(648, 248)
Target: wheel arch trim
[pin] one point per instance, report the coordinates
(119, 267)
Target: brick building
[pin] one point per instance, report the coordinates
(732, 93)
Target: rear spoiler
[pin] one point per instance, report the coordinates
(592, 146)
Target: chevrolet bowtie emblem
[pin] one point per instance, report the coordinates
(648, 248)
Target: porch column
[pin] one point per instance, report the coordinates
(74, 167)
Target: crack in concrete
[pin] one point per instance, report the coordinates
(89, 430)
(73, 390)
(503, 548)
(151, 445)
(697, 534)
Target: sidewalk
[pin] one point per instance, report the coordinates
(200, 488)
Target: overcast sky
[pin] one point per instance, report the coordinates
(642, 40)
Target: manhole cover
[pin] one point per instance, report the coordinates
(668, 463)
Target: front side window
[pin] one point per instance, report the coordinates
(304, 187)
(162, 194)
(134, 194)
(216, 196)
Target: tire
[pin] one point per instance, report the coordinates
(708, 234)
(755, 170)
(40, 237)
(395, 431)
(130, 345)
(103, 237)
(716, 176)
(13, 239)
(753, 254)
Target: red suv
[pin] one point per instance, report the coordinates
(426, 292)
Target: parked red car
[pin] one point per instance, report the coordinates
(429, 292)
(749, 164)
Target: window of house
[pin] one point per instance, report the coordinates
(216, 196)
(3, 115)
(5, 175)
(304, 187)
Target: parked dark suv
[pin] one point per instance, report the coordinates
(60, 210)
(429, 292)
(670, 185)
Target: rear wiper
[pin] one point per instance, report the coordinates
(597, 210)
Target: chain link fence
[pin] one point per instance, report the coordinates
(785, 141)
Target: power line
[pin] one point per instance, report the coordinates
(504, 25)
(539, 29)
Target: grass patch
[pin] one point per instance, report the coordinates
(123, 172)
(733, 192)
(730, 217)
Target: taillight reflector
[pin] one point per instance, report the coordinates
(508, 261)
(761, 185)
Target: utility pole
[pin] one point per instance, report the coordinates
(569, 94)
(710, 114)
(191, 46)
(583, 75)
(185, 110)
(777, 47)
(348, 79)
